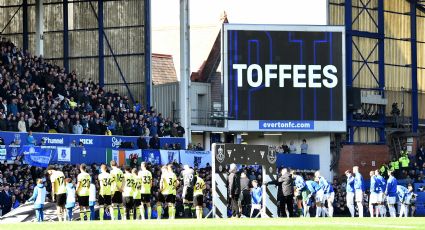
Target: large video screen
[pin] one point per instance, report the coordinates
(284, 77)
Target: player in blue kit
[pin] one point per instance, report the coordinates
(359, 189)
(311, 188)
(405, 196)
(299, 186)
(373, 197)
(380, 187)
(328, 195)
(391, 193)
(350, 192)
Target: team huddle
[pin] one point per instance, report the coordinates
(127, 193)
(381, 191)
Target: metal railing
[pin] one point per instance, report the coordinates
(205, 117)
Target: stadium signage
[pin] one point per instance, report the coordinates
(89, 140)
(257, 75)
(53, 140)
(86, 141)
(284, 78)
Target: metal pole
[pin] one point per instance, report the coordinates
(148, 53)
(101, 46)
(65, 37)
(381, 67)
(414, 58)
(25, 25)
(185, 117)
(349, 61)
(39, 28)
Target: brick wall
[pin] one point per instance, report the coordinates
(363, 156)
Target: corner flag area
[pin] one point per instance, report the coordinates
(224, 224)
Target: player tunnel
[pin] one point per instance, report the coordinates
(226, 154)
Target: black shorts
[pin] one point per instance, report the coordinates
(160, 198)
(146, 198)
(137, 202)
(117, 198)
(105, 200)
(128, 202)
(188, 193)
(83, 201)
(198, 200)
(60, 199)
(170, 198)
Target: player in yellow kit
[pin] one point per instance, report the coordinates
(104, 191)
(116, 190)
(146, 179)
(169, 189)
(160, 200)
(137, 186)
(128, 192)
(198, 195)
(58, 191)
(83, 191)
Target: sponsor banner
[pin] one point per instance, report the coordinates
(26, 213)
(87, 140)
(64, 154)
(121, 156)
(3, 154)
(198, 159)
(151, 155)
(286, 125)
(169, 156)
(37, 156)
(298, 161)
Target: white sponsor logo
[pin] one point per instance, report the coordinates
(229, 152)
(87, 141)
(262, 154)
(220, 155)
(116, 142)
(53, 140)
(271, 157)
(301, 76)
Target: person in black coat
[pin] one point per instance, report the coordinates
(286, 196)
(420, 157)
(234, 190)
(142, 143)
(6, 200)
(154, 142)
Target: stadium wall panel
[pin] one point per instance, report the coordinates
(165, 98)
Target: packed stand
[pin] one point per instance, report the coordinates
(40, 96)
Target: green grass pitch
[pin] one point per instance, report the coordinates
(224, 224)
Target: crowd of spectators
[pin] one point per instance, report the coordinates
(291, 148)
(40, 96)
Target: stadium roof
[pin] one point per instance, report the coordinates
(163, 70)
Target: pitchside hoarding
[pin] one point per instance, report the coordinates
(284, 78)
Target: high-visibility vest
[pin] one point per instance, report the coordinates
(395, 165)
(404, 160)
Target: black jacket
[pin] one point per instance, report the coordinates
(244, 183)
(234, 188)
(285, 183)
(142, 143)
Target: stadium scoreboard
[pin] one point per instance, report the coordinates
(284, 78)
